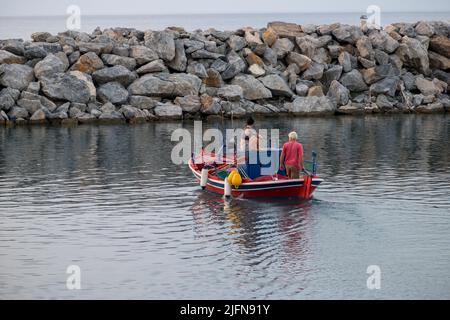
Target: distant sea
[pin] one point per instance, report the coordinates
(23, 27)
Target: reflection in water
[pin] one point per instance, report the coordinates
(109, 199)
(253, 228)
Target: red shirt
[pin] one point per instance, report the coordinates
(293, 152)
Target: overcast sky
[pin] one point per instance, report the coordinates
(122, 7)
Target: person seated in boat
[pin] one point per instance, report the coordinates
(292, 157)
(250, 138)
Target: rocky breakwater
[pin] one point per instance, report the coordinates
(127, 75)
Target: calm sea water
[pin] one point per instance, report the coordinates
(23, 27)
(108, 199)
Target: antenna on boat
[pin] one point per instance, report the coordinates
(314, 163)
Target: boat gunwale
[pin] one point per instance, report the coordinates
(273, 183)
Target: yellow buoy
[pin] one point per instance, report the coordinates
(236, 180)
(230, 176)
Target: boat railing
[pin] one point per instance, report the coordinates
(251, 170)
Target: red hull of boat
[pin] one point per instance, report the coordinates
(283, 187)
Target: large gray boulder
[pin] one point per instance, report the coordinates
(199, 69)
(14, 46)
(86, 118)
(210, 105)
(302, 61)
(112, 92)
(345, 61)
(282, 47)
(30, 105)
(107, 108)
(3, 117)
(354, 81)
(438, 61)
(338, 94)
(256, 70)
(347, 33)
(214, 79)
(152, 67)
(179, 62)
(192, 45)
(205, 54)
(383, 41)
(132, 114)
(116, 73)
(236, 43)
(8, 97)
(39, 50)
(235, 66)
(168, 111)
(190, 104)
(142, 102)
(314, 72)
(38, 116)
(26, 96)
(428, 87)
(365, 49)
(9, 57)
(333, 73)
(377, 73)
(301, 89)
(50, 65)
(34, 51)
(386, 86)
(112, 117)
(40, 36)
(252, 88)
(322, 55)
(143, 54)
(116, 60)
(441, 45)
(18, 112)
(312, 106)
(385, 103)
(351, 108)
(405, 29)
(424, 28)
(409, 81)
(97, 47)
(442, 75)
(270, 57)
(276, 85)
(231, 92)
(88, 63)
(16, 76)
(414, 54)
(162, 42)
(66, 87)
(166, 85)
(220, 65)
(285, 29)
(233, 108)
(87, 79)
(436, 107)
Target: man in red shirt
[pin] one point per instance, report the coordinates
(292, 157)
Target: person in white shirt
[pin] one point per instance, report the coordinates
(250, 137)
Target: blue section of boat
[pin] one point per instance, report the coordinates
(265, 162)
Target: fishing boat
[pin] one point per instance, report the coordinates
(234, 176)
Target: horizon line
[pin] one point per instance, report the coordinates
(211, 13)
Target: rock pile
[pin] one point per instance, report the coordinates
(123, 74)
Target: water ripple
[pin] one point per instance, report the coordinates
(110, 200)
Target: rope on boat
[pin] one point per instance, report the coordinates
(243, 173)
